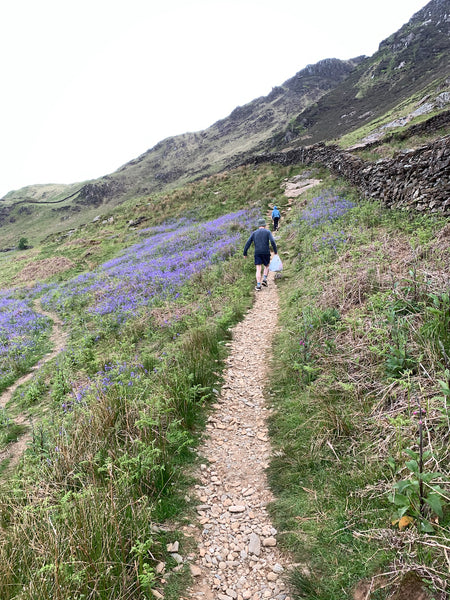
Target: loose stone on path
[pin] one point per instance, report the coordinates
(238, 556)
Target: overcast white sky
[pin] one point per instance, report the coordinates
(87, 85)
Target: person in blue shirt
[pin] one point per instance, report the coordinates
(276, 215)
(262, 239)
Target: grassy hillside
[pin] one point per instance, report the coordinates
(113, 419)
(359, 390)
(144, 269)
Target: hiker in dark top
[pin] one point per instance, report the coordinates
(261, 238)
(276, 215)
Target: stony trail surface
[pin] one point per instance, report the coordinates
(238, 554)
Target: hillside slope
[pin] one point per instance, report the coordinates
(406, 78)
(409, 71)
(172, 162)
(362, 344)
(248, 128)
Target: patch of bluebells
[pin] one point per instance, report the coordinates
(153, 269)
(166, 227)
(20, 329)
(331, 240)
(325, 209)
(118, 376)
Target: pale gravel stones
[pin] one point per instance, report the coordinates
(236, 509)
(254, 544)
(238, 556)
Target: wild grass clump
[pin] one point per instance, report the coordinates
(78, 541)
(361, 396)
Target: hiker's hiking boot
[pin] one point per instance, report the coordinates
(257, 288)
(264, 282)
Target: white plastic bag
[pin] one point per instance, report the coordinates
(276, 264)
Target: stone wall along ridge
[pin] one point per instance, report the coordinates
(417, 179)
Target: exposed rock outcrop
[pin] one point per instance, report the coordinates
(95, 193)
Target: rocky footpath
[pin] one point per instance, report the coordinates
(239, 558)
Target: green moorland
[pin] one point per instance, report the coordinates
(360, 390)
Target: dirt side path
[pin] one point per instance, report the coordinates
(238, 554)
(58, 338)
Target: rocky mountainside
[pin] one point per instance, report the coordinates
(411, 68)
(248, 128)
(409, 75)
(184, 157)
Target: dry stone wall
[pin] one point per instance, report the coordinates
(416, 179)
